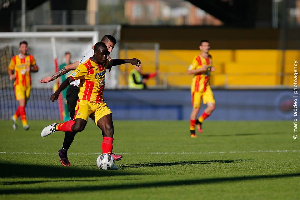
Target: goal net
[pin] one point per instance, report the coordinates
(48, 49)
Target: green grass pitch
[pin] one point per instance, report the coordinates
(230, 160)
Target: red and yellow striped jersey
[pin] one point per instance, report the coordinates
(21, 66)
(92, 81)
(201, 81)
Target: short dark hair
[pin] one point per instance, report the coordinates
(67, 52)
(107, 38)
(100, 46)
(23, 42)
(203, 41)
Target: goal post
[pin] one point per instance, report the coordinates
(48, 48)
(40, 45)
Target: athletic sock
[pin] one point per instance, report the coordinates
(203, 117)
(65, 126)
(192, 126)
(23, 115)
(68, 140)
(107, 145)
(17, 113)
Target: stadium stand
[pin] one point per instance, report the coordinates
(234, 68)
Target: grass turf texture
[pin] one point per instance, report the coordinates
(230, 160)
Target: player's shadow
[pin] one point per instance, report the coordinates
(166, 164)
(16, 170)
(154, 184)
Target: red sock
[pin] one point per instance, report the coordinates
(17, 114)
(107, 145)
(23, 115)
(65, 126)
(203, 116)
(192, 124)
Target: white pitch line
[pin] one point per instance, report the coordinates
(165, 153)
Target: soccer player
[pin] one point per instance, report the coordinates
(201, 68)
(19, 71)
(63, 78)
(73, 89)
(91, 74)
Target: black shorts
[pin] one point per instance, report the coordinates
(72, 97)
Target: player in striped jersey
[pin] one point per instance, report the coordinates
(73, 89)
(201, 68)
(92, 82)
(19, 71)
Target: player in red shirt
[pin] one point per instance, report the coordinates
(19, 71)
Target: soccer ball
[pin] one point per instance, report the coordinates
(106, 161)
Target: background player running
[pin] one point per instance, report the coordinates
(201, 68)
(19, 71)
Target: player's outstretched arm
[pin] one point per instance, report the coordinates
(63, 71)
(63, 86)
(72, 66)
(133, 61)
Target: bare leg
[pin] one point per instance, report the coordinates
(106, 125)
(210, 108)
